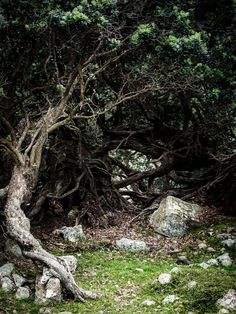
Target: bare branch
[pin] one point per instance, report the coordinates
(23, 136)
(70, 191)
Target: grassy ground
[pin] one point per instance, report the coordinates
(125, 280)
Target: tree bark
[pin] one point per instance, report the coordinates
(18, 227)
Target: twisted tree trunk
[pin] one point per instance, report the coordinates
(18, 227)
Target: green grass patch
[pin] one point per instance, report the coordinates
(212, 284)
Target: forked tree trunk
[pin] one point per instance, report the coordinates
(18, 227)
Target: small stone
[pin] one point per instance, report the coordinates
(204, 265)
(18, 280)
(192, 284)
(183, 260)
(175, 270)
(229, 300)
(72, 234)
(223, 311)
(47, 292)
(210, 249)
(65, 313)
(202, 246)
(6, 270)
(140, 270)
(7, 284)
(46, 310)
(22, 293)
(148, 302)
(53, 290)
(164, 278)
(212, 262)
(225, 259)
(222, 236)
(169, 299)
(229, 243)
(231, 229)
(131, 245)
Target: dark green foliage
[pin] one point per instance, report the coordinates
(184, 51)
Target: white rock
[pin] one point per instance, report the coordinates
(212, 262)
(18, 280)
(6, 270)
(169, 299)
(164, 278)
(192, 284)
(53, 290)
(140, 270)
(174, 216)
(46, 310)
(229, 243)
(22, 293)
(225, 259)
(202, 246)
(131, 245)
(7, 284)
(47, 292)
(175, 270)
(204, 265)
(210, 249)
(222, 236)
(71, 234)
(229, 300)
(223, 311)
(148, 302)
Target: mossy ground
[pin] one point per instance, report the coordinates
(125, 280)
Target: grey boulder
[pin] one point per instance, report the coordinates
(174, 217)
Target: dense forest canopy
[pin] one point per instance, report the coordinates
(153, 78)
(109, 105)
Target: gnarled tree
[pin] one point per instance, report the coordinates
(96, 90)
